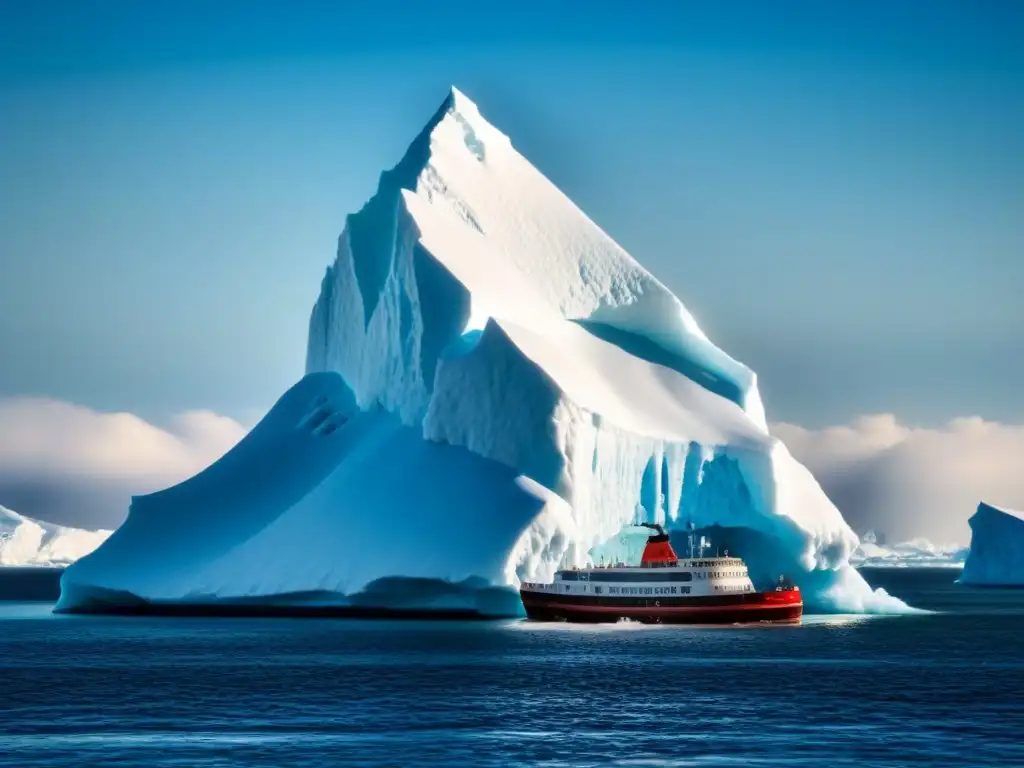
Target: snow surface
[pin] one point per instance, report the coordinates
(24, 541)
(494, 389)
(996, 557)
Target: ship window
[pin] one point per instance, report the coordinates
(664, 575)
(570, 576)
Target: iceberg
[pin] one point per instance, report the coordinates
(494, 389)
(996, 557)
(28, 542)
(909, 554)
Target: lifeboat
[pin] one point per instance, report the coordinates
(663, 589)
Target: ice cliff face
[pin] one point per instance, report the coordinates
(24, 541)
(500, 387)
(996, 557)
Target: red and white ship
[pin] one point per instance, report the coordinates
(663, 589)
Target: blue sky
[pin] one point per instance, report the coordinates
(835, 189)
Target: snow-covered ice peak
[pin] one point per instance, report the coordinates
(497, 378)
(457, 101)
(475, 129)
(522, 251)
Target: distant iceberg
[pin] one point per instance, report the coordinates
(494, 389)
(915, 553)
(24, 541)
(996, 556)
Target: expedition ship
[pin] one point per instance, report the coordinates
(663, 589)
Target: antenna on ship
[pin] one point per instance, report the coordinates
(691, 527)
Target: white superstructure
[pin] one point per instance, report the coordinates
(697, 577)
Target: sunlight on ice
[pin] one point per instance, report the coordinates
(494, 389)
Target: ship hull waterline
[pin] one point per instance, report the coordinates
(782, 607)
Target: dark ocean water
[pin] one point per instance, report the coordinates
(939, 689)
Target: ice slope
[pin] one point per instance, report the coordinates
(996, 557)
(320, 503)
(24, 541)
(506, 388)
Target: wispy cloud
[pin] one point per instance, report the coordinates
(72, 465)
(913, 482)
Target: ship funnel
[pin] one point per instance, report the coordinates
(658, 550)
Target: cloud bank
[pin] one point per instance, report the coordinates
(910, 482)
(74, 466)
(70, 465)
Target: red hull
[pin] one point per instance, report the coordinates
(781, 606)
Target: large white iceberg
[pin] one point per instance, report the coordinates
(28, 542)
(996, 557)
(494, 389)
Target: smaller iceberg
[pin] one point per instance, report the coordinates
(917, 553)
(996, 557)
(28, 542)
